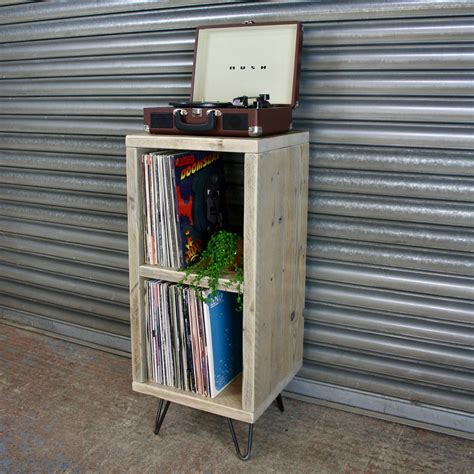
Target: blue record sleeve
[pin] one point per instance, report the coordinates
(224, 337)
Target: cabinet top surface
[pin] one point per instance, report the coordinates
(230, 144)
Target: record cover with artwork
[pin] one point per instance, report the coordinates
(200, 197)
(223, 322)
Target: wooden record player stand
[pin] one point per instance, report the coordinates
(275, 222)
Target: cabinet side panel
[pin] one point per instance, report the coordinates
(135, 258)
(275, 269)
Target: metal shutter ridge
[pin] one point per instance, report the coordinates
(387, 94)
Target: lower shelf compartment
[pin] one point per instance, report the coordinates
(228, 403)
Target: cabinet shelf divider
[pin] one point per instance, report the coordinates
(169, 274)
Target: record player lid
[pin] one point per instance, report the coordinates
(251, 59)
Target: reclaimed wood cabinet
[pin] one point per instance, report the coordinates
(275, 197)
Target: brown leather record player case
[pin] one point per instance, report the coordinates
(245, 83)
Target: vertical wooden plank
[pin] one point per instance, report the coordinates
(275, 263)
(301, 237)
(135, 258)
(250, 282)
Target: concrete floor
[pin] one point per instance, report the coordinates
(65, 407)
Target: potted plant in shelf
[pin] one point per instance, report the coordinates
(223, 258)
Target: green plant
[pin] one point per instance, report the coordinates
(222, 257)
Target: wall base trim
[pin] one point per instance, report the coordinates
(116, 344)
(429, 417)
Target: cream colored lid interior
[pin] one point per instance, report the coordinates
(247, 60)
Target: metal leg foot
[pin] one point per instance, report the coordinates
(242, 456)
(160, 415)
(279, 402)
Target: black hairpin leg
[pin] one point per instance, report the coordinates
(160, 415)
(279, 402)
(246, 455)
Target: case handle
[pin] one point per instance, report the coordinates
(195, 127)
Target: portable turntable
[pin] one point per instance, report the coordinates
(245, 83)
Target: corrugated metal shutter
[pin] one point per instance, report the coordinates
(387, 95)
